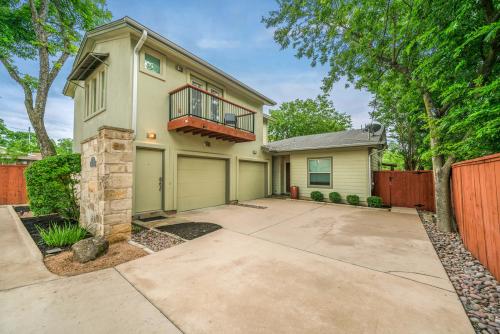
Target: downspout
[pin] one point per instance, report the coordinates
(135, 62)
(370, 168)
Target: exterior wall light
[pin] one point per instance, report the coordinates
(151, 135)
(179, 68)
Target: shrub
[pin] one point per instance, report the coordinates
(353, 199)
(62, 235)
(51, 185)
(317, 196)
(335, 197)
(374, 201)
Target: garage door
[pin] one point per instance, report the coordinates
(251, 180)
(200, 183)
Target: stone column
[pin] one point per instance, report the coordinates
(106, 183)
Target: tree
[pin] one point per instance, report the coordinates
(446, 51)
(48, 32)
(306, 117)
(64, 146)
(401, 111)
(15, 144)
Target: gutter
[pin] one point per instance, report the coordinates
(135, 69)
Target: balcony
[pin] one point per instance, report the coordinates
(194, 110)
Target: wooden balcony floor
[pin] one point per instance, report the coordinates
(203, 127)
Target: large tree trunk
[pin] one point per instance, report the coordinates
(442, 172)
(46, 145)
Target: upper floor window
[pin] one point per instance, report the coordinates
(95, 93)
(152, 63)
(319, 172)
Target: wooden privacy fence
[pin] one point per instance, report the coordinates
(476, 201)
(12, 184)
(406, 188)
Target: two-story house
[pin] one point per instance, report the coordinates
(160, 129)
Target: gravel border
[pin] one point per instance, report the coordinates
(477, 289)
(154, 240)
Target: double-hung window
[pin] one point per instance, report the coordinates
(95, 93)
(319, 172)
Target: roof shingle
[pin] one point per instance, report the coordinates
(347, 138)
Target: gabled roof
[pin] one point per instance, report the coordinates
(347, 138)
(129, 22)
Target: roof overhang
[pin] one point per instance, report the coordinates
(87, 65)
(138, 28)
(267, 149)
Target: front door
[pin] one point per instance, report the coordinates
(148, 180)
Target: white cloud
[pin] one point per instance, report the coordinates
(58, 112)
(212, 43)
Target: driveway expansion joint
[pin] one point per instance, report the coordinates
(354, 264)
(149, 301)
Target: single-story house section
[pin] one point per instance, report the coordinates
(337, 161)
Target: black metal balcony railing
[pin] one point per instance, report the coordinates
(189, 100)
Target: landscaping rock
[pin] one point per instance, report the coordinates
(89, 249)
(477, 289)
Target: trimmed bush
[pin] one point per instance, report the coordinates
(62, 235)
(317, 196)
(374, 201)
(353, 199)
(335, 197)
(51, 184)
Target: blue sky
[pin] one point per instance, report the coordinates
(228, 34)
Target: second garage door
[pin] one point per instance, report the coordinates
(200, 183)
(251, 180)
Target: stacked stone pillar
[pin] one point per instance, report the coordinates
(106, 183)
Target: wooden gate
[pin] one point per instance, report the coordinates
(12, 184)
(406, 188)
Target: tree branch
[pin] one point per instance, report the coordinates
(28, 94)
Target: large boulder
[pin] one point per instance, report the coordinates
(89, 249)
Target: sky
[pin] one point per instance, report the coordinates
(227, 34)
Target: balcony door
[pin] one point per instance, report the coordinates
(215, 104)
(197, 97)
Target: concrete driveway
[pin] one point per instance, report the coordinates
(302, 267)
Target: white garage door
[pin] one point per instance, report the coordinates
(251, 180)
(200, 183)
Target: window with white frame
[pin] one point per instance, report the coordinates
(95, 92)
(152, 63)
(319, 172)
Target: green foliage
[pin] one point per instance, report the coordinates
(374, 201)
(306, 117)
(51, 185)
(62, 235)
(335, 197)
(15, 144)
(317, 196)
(42, 36)
(353, 199)
(64, 146)
(400, 51)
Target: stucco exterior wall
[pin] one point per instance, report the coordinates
(153, 112)
(349, 172)
(118, 91)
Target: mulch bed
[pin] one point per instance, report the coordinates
(190, 231)
(120, 252)
(153, 240)
(478, 290)
(44, 222)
